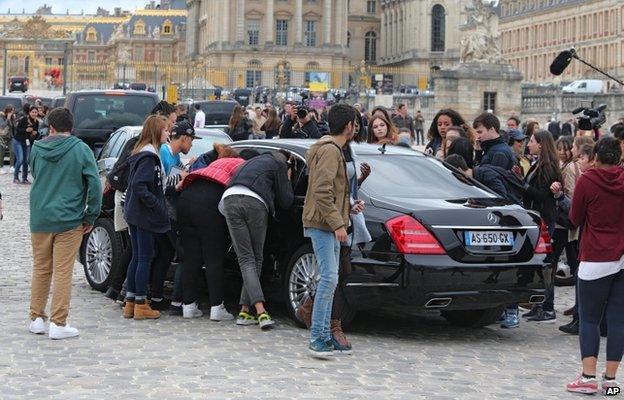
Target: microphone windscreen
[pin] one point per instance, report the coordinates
(561, 62)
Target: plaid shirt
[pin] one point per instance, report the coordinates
(220, 171)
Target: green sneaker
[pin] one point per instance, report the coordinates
(244, 318)
(265, 321)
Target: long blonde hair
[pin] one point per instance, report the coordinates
(151, 133)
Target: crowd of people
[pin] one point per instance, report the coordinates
(19, 130)
(574, 181)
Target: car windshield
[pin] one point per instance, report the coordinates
(101, 111)
(416, 177)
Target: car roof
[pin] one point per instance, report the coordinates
(302, 145)
(113, 91)
(214, 101)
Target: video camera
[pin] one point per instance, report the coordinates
(590, 119)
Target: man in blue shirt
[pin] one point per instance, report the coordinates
(182, 136)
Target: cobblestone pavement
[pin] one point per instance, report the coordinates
(174, 358)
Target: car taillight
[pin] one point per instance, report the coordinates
(544, 244)
(411, 237)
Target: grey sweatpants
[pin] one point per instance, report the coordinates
(247, 219)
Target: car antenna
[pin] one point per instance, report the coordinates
(382, 149)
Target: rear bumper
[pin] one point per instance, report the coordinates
(446, 285)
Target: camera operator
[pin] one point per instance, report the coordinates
(322, 125)
(306, 127)
(289, 121)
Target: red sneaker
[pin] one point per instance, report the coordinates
(583, 385)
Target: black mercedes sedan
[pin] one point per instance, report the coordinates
(441, 242)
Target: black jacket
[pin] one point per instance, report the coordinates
(286, 130)
(145, 204)
(538, 197)
(268, 177)
(487, 175)
(498, 153)
(323, 128)
(242, 130)
(23, 124)
(308, 131)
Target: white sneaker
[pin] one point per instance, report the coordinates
(62, 332)
(37, 326)
(191, 311)
(12, 170)
(220, 313)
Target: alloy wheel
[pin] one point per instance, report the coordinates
(99, 255)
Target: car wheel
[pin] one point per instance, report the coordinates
(301, 282)
(564, 276)
(103, 249)
(473, 318)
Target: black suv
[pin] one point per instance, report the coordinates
(218, 112)
(18, 84)
(98, 113)
(440, 242)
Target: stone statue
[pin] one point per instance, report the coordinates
(363, 72)
(156, 32)
(123, 53)
(481, 45)
(118, 33)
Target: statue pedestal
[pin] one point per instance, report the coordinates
(467, 87)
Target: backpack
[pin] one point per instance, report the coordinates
(118, 175)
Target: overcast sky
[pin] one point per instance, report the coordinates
(75, 6)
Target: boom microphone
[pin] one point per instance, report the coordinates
(561, 62)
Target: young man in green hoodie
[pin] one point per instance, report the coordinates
(65, 200)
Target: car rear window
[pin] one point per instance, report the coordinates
(101, 111)
(15, 102)
(217, 108)
(416, 177)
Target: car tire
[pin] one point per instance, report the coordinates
(103, 250)
(300, 281)
(473, 318)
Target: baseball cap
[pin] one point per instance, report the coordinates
(184, 128)
(516, 134)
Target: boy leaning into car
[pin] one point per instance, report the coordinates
(65, 200)
(325, 221)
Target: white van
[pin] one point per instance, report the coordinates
(585, 86)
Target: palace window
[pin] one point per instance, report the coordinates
(310, 33)
(253, 33)
(91, 34)
(167, 28)
(253, 76)
(437, 28)
(281, 32)
(370, 47)
(371, 6)
(489, 101)
(139, 28)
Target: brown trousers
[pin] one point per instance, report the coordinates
(54, 255)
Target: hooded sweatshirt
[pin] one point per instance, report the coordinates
(145, 205)
(597, 209)
(66, 191)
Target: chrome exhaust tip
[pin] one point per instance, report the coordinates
(438, 302)
(537, 298)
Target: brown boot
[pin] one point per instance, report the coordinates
(304, 312)
(128, 310)
(336, 331)
(144, 311)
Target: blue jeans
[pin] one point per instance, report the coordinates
(327, 252)
(139, 267)
(21, 151)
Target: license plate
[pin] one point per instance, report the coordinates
(17, 84)
(488, 238)
(243, 97)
